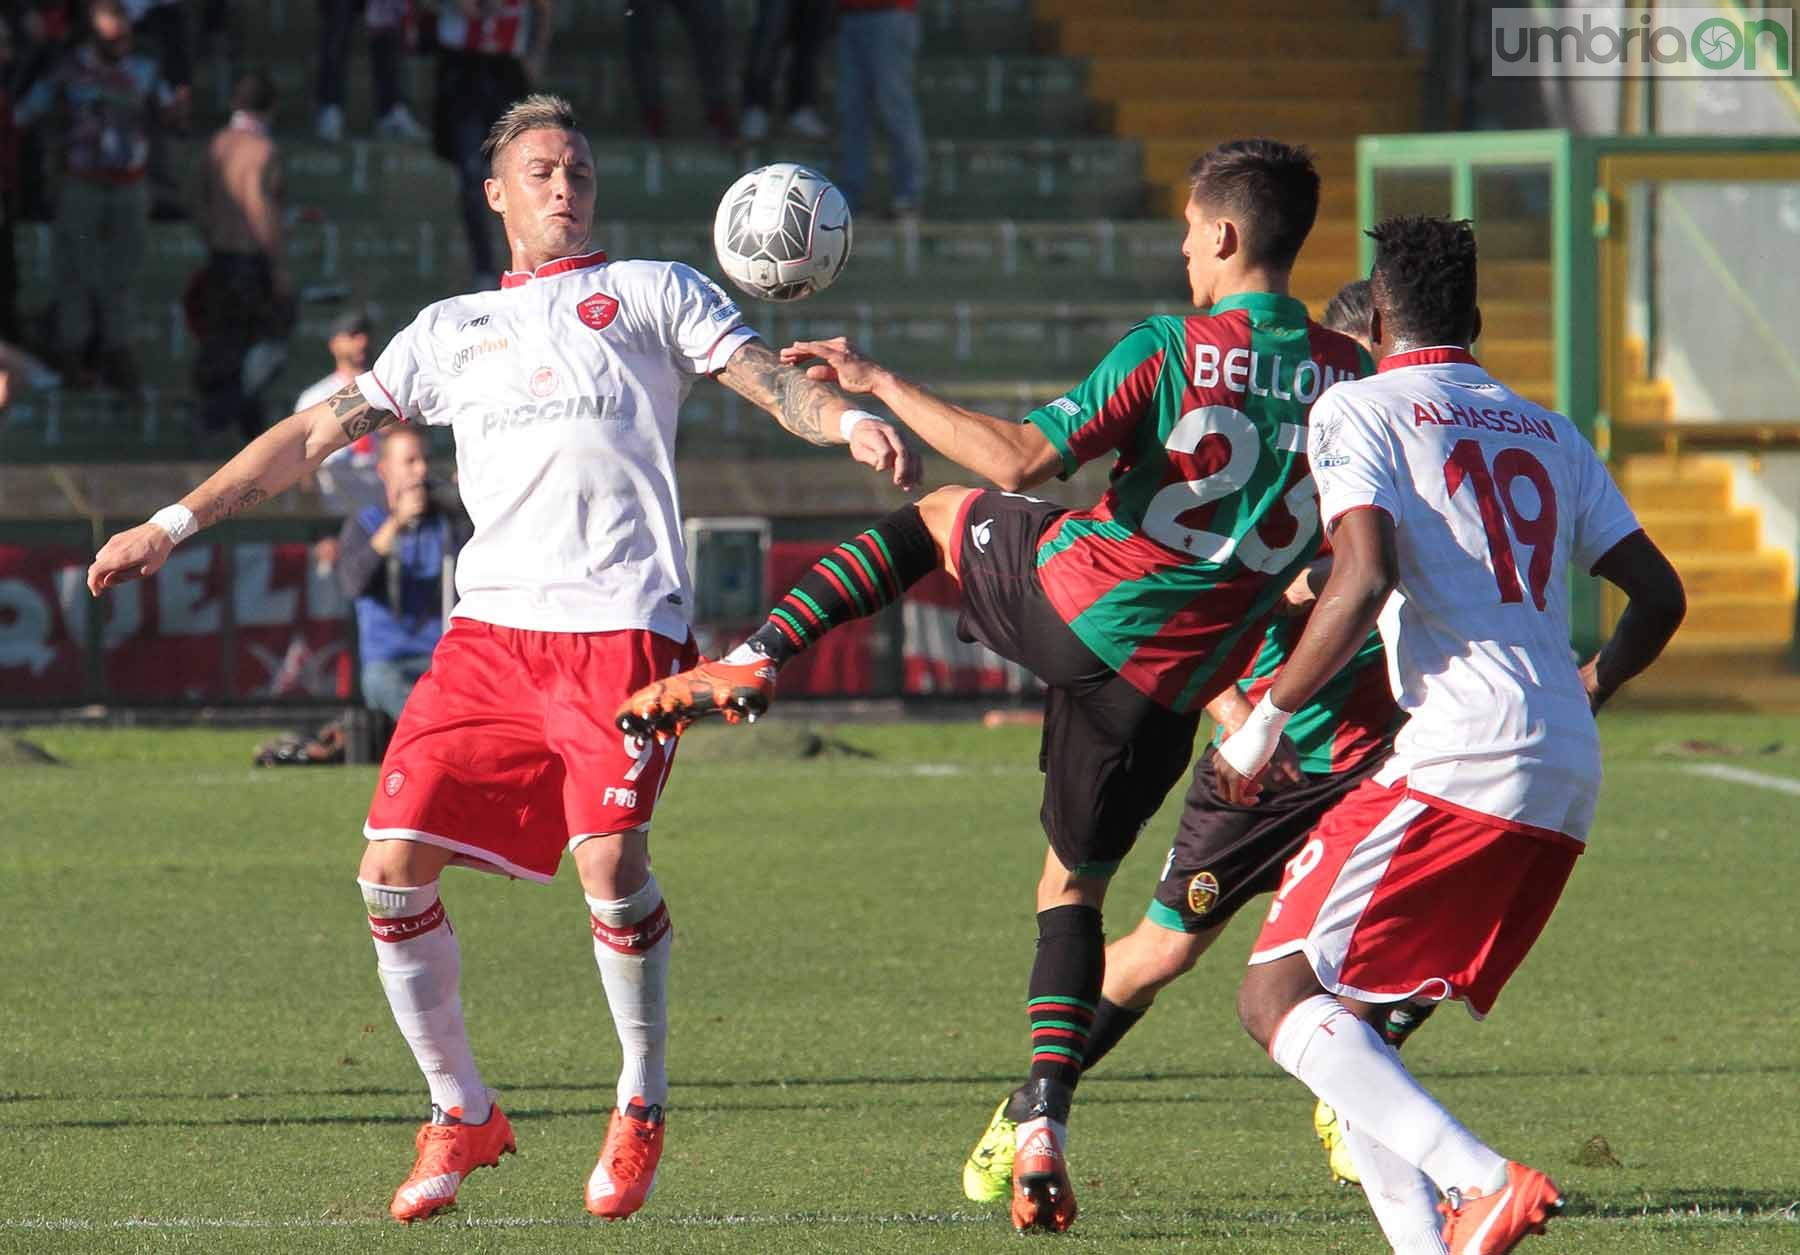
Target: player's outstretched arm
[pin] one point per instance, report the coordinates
(270, 464)
(1364, 570)
(1010, 454)
(1656, 605)
(817, 412)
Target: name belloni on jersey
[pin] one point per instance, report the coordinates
(562, 388)
(1211, 511)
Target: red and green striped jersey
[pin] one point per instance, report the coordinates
(1211, 510)
(1351, 718)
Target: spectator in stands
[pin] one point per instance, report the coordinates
(707, 37)
(10, 200)
(489, 54)
(348, 480)
(161, 30)
(799, 27)
(44, 30)
(878, 48)
(245, 303)
(104, 99)
(394, 563)
(385, 20)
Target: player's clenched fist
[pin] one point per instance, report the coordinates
(129, 556)
(877, 444)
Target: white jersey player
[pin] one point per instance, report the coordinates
(562, 389)
(1457, 510)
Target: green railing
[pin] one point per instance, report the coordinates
(1583, 215)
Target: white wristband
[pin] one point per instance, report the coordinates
(848, 420)
(1249, 749)
(177, 520)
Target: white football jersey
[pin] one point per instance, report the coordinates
(562, 388)
(1493, 498)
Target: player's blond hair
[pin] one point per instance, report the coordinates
(536, 112)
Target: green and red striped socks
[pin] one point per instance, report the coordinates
(1064, 991)
(862, 576)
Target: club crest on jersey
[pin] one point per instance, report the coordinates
(391, 785)
(1203, 892)
(598, 310)
(543, 381)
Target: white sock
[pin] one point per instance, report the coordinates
(421, 970)
(632, 937)
(1402, 1198)
(1027, 1129)
(748, 652)
(1346, 1063)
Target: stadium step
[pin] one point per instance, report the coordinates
(1769, 617)
(1516, 281)
(1648, 401)
(1740, 593)
(1144, 117)
(377, 181)
(1153, 10)
(1107, 36)
(945, 25)
(1018, 95)
(1515, 359)
(1514, 320)
(1167, 160)
(1691, 484)
(1086, 261)
(1735, 575)
(1735, 530)
(1113, 79)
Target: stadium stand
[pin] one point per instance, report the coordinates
(1059, 138)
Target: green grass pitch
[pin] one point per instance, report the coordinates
(195, 1053)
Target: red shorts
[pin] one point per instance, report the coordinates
(506, 752)
(1395, 896)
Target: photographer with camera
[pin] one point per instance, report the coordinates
(396, 563)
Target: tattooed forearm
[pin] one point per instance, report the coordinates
(234, 500)
(355, 415)
(804, 406)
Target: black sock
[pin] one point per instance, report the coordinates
(1065, 991)
(1042, 1097)
(859, 578)
(1111, 1022)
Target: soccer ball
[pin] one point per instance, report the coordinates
(782, 232)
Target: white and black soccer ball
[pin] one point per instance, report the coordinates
(782, 232)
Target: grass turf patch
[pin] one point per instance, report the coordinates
(195, 1053)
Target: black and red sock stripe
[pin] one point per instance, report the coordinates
(1065, 991)
(858, 578)
(1059, 1033)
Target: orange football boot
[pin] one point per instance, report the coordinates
(448, 1153)
(626, 1173)
(738, 691)
(1493, 1222)
(1042, 1198)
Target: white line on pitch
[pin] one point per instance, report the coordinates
(1738, 775)
(78, 1225)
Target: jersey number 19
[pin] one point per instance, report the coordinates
(1494, 497)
